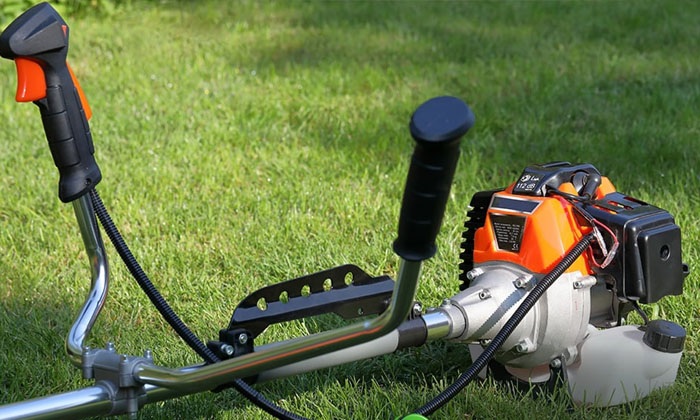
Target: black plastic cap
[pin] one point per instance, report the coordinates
(441, 119)
(664, 336)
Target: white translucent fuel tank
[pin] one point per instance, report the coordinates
(619, 365)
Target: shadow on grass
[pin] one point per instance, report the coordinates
(629, 120)
(36, 352)
(601, 83)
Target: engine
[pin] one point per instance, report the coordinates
(516, 235)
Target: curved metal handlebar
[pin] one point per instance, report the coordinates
(100, 279)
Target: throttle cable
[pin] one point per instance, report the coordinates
(171, 317)
(468, 376)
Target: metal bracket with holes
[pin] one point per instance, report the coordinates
(345, 290)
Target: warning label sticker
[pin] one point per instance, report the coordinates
(508, 230)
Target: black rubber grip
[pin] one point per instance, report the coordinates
(40, 34)
(437, 126)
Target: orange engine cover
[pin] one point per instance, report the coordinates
(533, 232)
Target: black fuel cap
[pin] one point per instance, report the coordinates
(664, 336)
(441, 120)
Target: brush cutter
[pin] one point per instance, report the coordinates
(551, 266)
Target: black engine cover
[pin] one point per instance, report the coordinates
(648, 265)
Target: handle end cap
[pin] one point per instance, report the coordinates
(441, 120)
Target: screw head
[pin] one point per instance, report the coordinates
(110, 346)
(242, 338)
(555, 363)
(148, 354)
(524, 346)
(521, 282)
(474, 273)
(124, 357)
(578, 285)
(417, 309)
(227, 349)
(484, 294)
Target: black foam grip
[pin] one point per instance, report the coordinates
(437, 127)
(42, 35)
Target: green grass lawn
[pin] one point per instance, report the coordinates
(247, 143)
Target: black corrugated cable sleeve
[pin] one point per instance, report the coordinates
(508, 328)
(171, 317)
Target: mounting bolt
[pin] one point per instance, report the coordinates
(86, 349)
(446, 302)
(584, 282)
(555, 363)
(521, 282)
(523, 347)
(485, 342)
(242, 338)
(484, 294)
(227, 349)
(416, 310)
(124, 357)
(148, 354)
(110, 347)
(474, 273)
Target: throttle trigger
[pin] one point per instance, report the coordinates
(31, 82)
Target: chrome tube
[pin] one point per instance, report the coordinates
(100, 279)
(90, 401)
(210, 376)
(156, 393)
(385, 344)
(438, 324)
